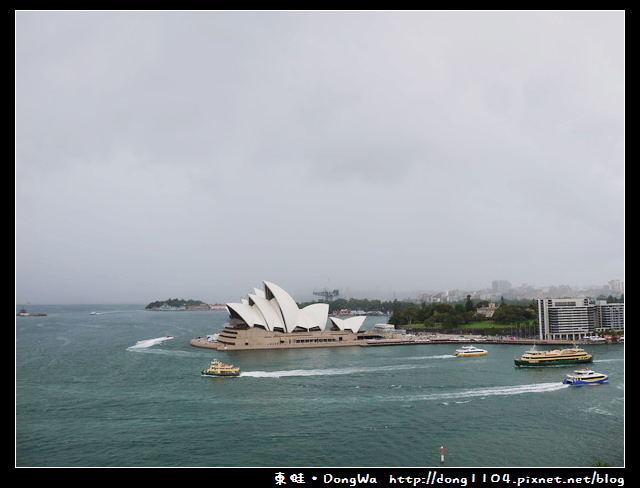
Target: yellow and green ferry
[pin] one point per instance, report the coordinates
(556, 357)
(218, 368)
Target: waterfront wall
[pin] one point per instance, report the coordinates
(253, 340)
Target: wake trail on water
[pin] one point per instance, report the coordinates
(149, 343)
(439, 356)
(334, 371)
(488, 391)
(317, 372)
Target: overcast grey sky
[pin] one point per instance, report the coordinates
(195, 154)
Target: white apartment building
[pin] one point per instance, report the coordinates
(575, 318)
(609, 316)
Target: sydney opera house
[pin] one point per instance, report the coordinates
(270, 318)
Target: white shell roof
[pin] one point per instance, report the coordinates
(352, 323)
(271, 316)
(276, 309)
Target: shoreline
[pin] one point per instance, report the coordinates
(203, 342)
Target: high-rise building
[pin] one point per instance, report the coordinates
(501, 287)
(609, 316)
(617, 286)
(565, 318)
(575, 318)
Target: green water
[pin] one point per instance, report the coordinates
(104, 390)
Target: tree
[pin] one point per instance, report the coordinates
(404, 313)
(468, 305)
(511, 314)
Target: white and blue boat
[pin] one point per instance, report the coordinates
(585, 377)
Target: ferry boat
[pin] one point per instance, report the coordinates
(218, 368)
(470, 351)
(585, 377)
(574, 355)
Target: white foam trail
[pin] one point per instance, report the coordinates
(150, 342)
(330, 372)
(439, 356)
(317, 372)
(296, 372)
(491, 391)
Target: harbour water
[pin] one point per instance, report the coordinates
(108, 390)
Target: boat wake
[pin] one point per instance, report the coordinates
(149, 342)
(439, 356)
(487, 392)
(318, 372)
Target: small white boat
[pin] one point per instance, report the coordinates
(585, 377)
(596, 339)
(470, 351)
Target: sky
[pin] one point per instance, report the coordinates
(195, 154)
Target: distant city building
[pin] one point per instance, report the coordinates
(617, 286)
(501, 287)
(576, 318)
